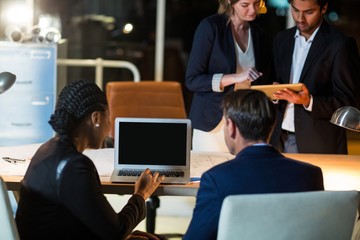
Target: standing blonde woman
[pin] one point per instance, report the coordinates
(228, 49)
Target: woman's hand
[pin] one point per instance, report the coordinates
(147, 183)
(247, 76)
(251, 75)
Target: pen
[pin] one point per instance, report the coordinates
(194, 179)
(13, 160)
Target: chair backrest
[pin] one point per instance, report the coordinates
(8, 229)
(148, 99)
(296, 216)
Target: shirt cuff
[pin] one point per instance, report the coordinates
(216, 80)
(309, 108)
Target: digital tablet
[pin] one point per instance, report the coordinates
(270, 89)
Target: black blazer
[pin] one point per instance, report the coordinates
(213, 51)
(61, 198)
(331, 73)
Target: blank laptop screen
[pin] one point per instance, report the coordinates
(152, 143)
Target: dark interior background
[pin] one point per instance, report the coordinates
(89, 33)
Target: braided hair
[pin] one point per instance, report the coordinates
(76, 101)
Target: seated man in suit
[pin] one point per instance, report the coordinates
(257, 168)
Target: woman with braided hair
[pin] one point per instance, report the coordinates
(60, 195)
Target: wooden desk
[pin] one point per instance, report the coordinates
(341, 172)
(104, 162)
(190, 189)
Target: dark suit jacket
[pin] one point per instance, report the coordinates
(332, 74)
(213, 51)
(256, 169)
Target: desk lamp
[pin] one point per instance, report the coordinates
(7, 79)
(347, 117)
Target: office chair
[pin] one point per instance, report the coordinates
(147, 99)
(7, 222)
(297, 216)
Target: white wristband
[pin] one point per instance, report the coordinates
(309, 108)
(216, 80)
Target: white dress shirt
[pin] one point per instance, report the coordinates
(301, 50)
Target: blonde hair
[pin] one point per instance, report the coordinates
(226, 7)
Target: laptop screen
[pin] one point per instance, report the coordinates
(152, 141)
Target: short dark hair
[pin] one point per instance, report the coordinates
(321, 3)
(76, 101)
(252, 111)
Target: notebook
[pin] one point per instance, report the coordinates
(161, 144)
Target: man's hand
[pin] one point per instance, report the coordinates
(302, 97)
(147, 183)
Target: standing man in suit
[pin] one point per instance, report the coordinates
(257, 168)
(327, 63)
(228, 49)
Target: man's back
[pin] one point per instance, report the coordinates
(256, 169)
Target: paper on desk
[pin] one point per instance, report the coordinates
(200, 162)
(103, 159)
(19, 152)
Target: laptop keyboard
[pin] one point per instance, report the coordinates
(166, 173)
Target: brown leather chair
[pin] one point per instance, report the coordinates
(148, 99)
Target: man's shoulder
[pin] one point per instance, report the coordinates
(303, 165)
(249, 155)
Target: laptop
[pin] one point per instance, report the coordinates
(160, 144)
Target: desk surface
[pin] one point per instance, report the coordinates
(190, 189)
(341, 172)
